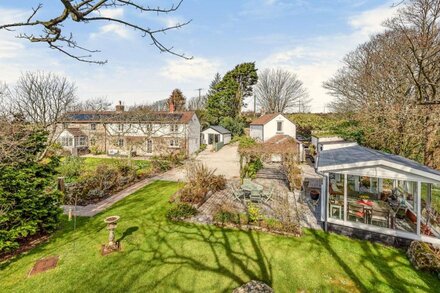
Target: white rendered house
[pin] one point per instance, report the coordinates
(267, 126)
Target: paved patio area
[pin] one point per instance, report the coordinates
(225, 198)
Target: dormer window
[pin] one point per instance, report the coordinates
(120, 127)
(149, 127)
(93, 126)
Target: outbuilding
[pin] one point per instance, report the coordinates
(215, 134)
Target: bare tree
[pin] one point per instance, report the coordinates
(53, 31)
(4, 100)
(279, 90)
(42, 98)
(197, 103)
(93, 104)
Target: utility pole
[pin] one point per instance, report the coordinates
(200, 92)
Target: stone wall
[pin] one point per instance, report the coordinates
(369, 235)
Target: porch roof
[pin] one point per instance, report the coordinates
(358, 156)
(76, 132)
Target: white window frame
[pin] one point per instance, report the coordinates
(120, 143)
(174, 127)
(174, 143)
(120, 127)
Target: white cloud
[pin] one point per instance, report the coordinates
(370, 21)
(112, 13)
(112, 28)
(189, 70)
(317, 59)
(170, 21)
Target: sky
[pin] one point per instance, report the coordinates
(308, 38)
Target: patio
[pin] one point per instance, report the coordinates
(379, 192)
(298, 209)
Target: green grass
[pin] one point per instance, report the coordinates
(159, 256)
(90, 164)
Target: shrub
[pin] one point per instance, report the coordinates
(227, 213)
(283, 214)
(200, 181)
(424, 256)
(181, 211)
(251, 169)
(253, 213)
(160, 164)
(71, 167)
(98, 184)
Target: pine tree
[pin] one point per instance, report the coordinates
(178, 99)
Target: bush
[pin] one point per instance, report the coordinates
(160, 164)
(424, 256)
(71, 167)
(200, 181)
(95, 185)
(253, 213)
(251, 169)
(227, 213)
(181, 211)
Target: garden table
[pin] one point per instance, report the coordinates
(250, 186)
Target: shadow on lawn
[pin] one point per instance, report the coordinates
(384, 267)
(128, 232)
(221, 252)
(240, 266)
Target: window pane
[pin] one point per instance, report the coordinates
(336, 196)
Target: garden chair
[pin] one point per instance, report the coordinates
(247, 181)
(237, 193)
(380, 217)
(255, 196)
(356, 211)
(268, 195)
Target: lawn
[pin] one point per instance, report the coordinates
(90, 164)
(159, 256)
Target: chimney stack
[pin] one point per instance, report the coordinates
(172, 108)
(120, 107)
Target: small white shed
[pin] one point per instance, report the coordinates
(215, 134)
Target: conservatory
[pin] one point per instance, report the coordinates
(369, 190)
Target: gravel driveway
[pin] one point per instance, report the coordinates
(226, 161)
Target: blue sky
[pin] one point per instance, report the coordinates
(309, 38)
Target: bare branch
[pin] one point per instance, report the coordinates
(53, 35)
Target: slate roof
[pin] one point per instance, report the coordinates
(219, 129)
(264, 119)
(357, 154)
(127, 116)
(75, 132)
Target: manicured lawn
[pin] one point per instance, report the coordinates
(159, 256)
